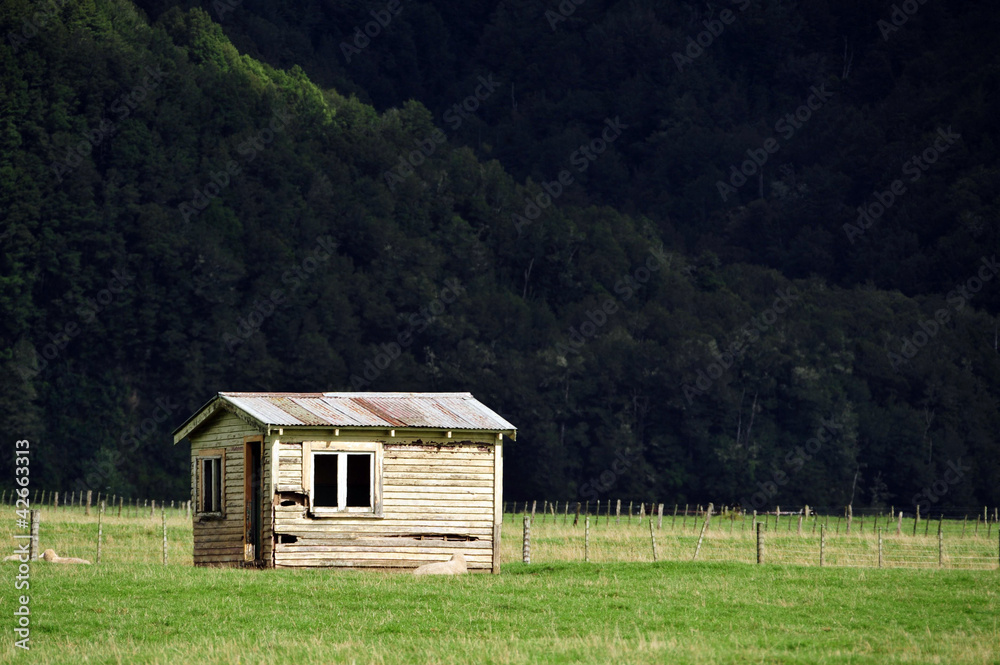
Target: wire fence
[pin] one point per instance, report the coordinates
(566, 531)
(126, 531)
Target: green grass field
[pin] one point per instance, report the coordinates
(135, 610)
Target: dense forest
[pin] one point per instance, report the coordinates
(739, 252)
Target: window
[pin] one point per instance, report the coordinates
(210, 484)
(343, 481)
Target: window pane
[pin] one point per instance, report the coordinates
(206, 487)
(359, 480)
(325, 480)
(217, 486)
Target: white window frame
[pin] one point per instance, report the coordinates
(205, 493)
(373, 449)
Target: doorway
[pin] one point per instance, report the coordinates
(253, 496)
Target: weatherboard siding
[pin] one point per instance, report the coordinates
(220, 541)
(430, 491)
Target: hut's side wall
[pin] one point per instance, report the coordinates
(220, 541)
(438, 498)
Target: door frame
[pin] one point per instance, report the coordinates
(253, 520)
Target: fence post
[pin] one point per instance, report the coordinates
(533, 503)
(576, 518)
(163, 516)
(800, 524)
(674, 522)
(822, 544)
(760, 544)
(850, 518)
(704, 526)
(880, 547)
(940, 549)
(152, 508)
(55, 499)
(87, 509)
(526, 546)
(777, 515)
(630, 511)
(642, 512)
(586, 538)
(659, 517)
(36, 518)
(607, 514)
(652, 538)
(916, 519)
(684, 520)
(121, 502)
(188, 515)
(100, 529)
(899, 523)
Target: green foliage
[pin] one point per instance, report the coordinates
(288, 163)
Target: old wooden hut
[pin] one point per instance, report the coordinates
(374, 480)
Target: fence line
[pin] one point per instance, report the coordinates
(99, 536)
(802, 537)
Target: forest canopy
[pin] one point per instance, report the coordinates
(487, 199)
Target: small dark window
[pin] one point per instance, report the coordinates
(210, 500)
(359, 481)
(325, 480)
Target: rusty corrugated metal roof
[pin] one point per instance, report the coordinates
(430, 410)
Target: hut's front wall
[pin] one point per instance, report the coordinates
(219, 540)
(437, 498)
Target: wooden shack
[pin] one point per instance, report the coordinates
(357, 480)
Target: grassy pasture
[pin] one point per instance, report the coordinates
(133, 609)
